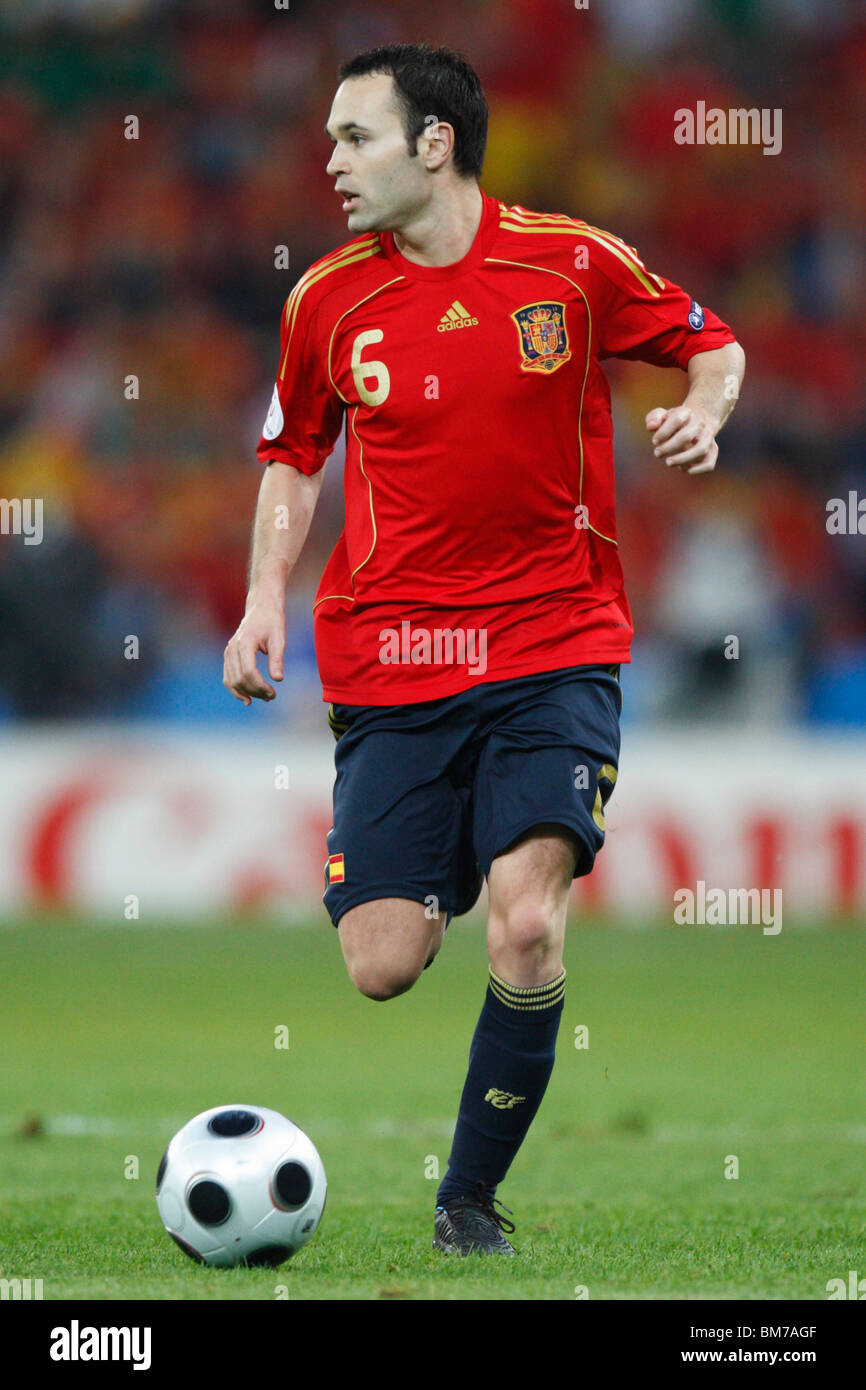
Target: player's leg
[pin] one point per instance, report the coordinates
(514, 1045)
(529, 890)
(397, 848)
(532, 798)
(386, 944)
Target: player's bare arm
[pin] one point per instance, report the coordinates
(286, 502)
(685, 436)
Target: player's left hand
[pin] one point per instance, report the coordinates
(684, 437)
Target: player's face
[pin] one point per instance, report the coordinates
(381, 185)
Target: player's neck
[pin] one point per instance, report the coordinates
(445, 231)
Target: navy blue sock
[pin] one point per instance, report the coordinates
(510, 1062)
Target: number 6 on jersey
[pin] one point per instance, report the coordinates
(363, 370)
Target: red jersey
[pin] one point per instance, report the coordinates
(480, 531)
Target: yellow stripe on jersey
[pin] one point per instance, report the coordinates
(369, 554)
(351, 597)
(629, 250)
(372, 294)
(333, 257)
(547, 270)
(337, 261)
(514, 220)
(641, 273)
(519, 214)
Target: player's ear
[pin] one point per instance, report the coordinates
(436, 143)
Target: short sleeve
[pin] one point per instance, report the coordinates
(643, 316)
(306, 413)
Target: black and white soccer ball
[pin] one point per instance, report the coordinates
(240, 1184)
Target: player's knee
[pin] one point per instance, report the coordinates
(381, 980)
(528, 930)
(386, 946)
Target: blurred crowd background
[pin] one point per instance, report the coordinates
(155, 257)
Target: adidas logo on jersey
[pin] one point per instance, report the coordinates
(457, 317)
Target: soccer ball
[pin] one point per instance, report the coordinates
(240, 1184)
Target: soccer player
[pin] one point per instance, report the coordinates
(471, 621)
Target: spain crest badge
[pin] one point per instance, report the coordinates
(543, 336)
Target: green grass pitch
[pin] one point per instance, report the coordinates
(704, 1044)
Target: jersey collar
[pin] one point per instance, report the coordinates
(484, 238)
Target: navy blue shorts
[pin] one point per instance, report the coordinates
(427, 795)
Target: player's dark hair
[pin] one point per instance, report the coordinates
(432, 82)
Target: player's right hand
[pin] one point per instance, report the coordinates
(262, 630)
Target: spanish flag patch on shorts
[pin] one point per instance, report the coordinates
(336, 869)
